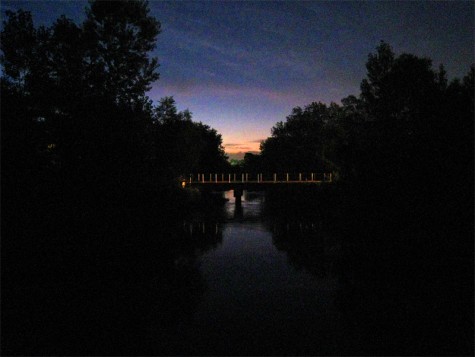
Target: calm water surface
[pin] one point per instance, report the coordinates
(256, 299)
(249, 280)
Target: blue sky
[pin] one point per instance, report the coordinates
(242, 66)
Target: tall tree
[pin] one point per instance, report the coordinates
(299, 143)
(183, 146)
(83, 88)
(119, 37)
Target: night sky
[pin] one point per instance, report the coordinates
(242, 66)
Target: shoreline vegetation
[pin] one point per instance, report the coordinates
(91, 167)
(409, 131)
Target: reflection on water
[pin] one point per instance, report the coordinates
(204, 235)
(262, 296)
(238, 280)
(249, 210)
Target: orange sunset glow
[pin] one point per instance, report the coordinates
(236, 150)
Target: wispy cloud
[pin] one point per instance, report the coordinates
(193, 88)
(238, 147)
(264, 46)
(245, 146)
(257, 141)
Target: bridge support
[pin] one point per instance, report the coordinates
(237, 196)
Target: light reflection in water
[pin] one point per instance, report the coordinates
(253, 290)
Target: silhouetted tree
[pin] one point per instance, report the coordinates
(183, 146)
(299, 144)
(118, 38)
(84, 88)
(252, 163)
(403, 139)
(413, 125)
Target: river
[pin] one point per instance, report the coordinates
(258, 298)
(291, 275)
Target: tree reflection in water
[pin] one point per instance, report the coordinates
(378, 284)
(402, 280)
(304, 244)
(181, 287)
(98, 289)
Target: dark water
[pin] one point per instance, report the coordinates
(238, 281)
(256, 298)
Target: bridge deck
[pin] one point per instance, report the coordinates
(253, 182)
(241, 181)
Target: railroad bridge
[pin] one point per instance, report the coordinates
(238, 182)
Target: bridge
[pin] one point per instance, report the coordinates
(252, 181)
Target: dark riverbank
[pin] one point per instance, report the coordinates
(78, 268)
(406, 265)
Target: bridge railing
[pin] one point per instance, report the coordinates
(245, 177)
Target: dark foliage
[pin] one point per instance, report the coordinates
(88, 170)
(408, 134)
(76, 120)
(183, 146)
(403, 153)
(88, 163)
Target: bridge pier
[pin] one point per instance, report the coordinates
(237, 196)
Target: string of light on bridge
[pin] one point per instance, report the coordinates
(259, 178)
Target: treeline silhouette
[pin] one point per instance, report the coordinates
(92, 207)
(77, 126)
(408, 126)
(402, 150)
(403, 208)
(405, 143)
(90, 187)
